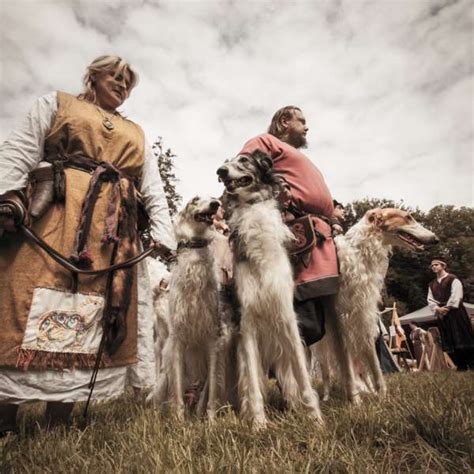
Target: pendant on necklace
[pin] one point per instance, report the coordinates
(107, 124)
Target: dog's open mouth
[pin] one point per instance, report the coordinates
(413, 242)
(205, 217)
(233, 184)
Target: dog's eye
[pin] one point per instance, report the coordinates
(243, 159)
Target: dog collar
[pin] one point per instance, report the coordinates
(193, 244)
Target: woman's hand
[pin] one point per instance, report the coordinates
(12, 212)
(163, 252)
(7, 223)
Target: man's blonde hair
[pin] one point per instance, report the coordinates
(103, 64)
(276, 128)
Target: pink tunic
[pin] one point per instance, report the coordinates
(310, 194)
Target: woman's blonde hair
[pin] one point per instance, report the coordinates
(103, 64)
(276, 128)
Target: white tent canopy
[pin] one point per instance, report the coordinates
(425, 315)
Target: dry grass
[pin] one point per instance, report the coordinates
(425, 424)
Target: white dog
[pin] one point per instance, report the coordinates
(363, 257)
(269, 335)
(192, 346)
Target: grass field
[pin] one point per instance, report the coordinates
(425, 424)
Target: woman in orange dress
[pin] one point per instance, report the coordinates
(52, 323)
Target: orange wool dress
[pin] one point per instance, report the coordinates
(28, 339)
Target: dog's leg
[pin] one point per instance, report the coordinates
(203, 399)
(365, 377)
(295, 352)
(326, 377)
(334, 327)
(253, 398)
(160, 394)
(320, 354)
(374, 365)
(212, 378)
(286, 381)
(178, 371)
(231, 395)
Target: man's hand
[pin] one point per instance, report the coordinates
(337, 229)
(441, 311)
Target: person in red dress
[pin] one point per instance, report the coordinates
(317, 283)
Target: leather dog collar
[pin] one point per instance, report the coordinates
(192, 244)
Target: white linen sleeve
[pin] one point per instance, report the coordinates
(24, 148)
(432, 303)
(456, 294)
(155, 202)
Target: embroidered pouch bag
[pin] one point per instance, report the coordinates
(305, 239)
(61, 326)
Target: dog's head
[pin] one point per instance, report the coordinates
(247, 176)
(196, 219)
(400, 228)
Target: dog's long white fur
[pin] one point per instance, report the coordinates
(194, 327)
(269, 335)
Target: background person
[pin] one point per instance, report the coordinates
(101, 161)
(417, 338)
(338, 218)
(445, 298)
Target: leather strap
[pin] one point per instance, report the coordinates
(193, 244)
(72, 268)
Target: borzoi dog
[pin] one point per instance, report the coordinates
(269, 335)
(364, 257)
(194, 327)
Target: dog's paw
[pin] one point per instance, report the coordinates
(355, 399)
(258, 423)
(211, 415)
(382, 392)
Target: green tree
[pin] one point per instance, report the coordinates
(455, 229)
(168, 177)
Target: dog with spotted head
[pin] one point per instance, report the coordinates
(268, 335)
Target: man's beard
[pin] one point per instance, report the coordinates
(297, 140)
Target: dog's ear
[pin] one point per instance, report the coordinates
(375, 217)
(264, 164)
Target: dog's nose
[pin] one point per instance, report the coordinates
(223, 172)
(215, 204)
(435, 239)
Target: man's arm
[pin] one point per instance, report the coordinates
(456, 294)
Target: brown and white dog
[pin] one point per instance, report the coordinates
(364, 253)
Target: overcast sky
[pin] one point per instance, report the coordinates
(386, 86)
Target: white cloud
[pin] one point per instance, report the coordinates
(386, 86)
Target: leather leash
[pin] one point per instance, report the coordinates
(72, 268)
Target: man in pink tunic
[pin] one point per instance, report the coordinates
(316, 285)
